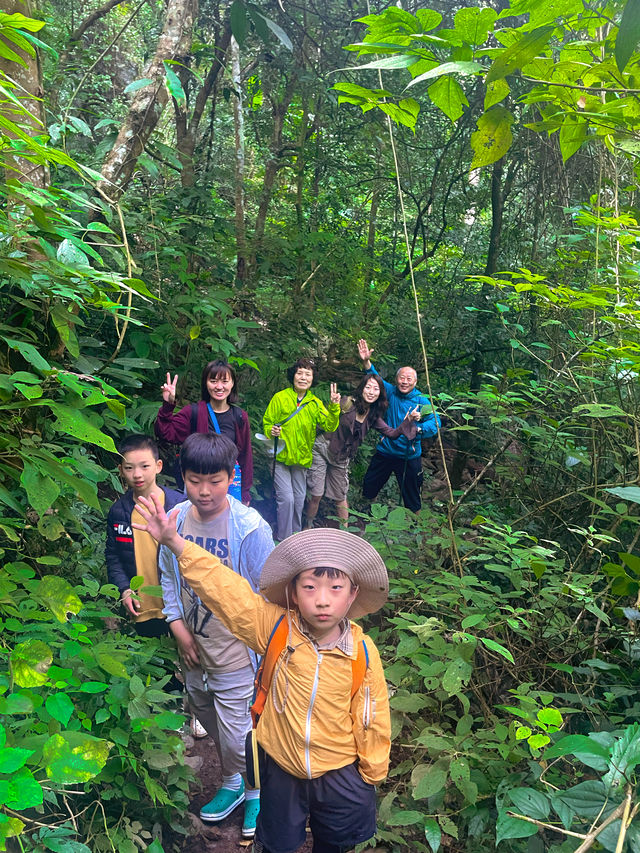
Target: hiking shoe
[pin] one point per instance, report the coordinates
(251, 809)
(224, 802)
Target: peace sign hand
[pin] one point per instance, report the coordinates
(335, 396)
(169, 389)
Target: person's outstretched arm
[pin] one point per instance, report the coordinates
(228, 595)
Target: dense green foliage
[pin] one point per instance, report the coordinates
(263, 218)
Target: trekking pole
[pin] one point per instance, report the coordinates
(275, 447)
(273, 467)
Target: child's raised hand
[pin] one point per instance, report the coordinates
(169, 389)
(158, 524)
(363, 350)
(335, 396)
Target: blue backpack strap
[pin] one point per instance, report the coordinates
(194, 417)
(213, 418)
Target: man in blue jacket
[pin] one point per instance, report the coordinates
(399, 456)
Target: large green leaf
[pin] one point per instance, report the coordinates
(404, 818)
(60, 707)
(448, 95)
(628, 34)
(432, 834)
(519, 53)
(572, 135)
(627, 493)
(388, 63)
(588, 800)
(48, 463)
(74, 757)
(21, 22)
(174, 86)
(457, 673)
(29, 663)
(530, 802)
(238, 16)
(41, 490)
(21, 791)
(271, 25)
(625, 756)
(512, 827)
(431, 782)
(58, 595)
(497, 647)
(493, 137)
(463, 68)
(13, 758)
(73, 422)
(599, 410)
(473, 23)
(29, 353)
(577, 745)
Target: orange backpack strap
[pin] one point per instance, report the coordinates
(359, 667)
(275, 644)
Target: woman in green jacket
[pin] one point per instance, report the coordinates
(294, 414)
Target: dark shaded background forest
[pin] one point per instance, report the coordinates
(183, 181)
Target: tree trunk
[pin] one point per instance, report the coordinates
(148, 103)
(272, 166)
(30, 92)
(238, 126)
(187, 128)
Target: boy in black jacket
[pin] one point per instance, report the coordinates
(131, 552)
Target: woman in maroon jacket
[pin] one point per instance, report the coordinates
(215, 412)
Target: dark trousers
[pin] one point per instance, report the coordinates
(408, 474)
(152, 628)
(340, 805)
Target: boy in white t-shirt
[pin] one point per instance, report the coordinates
(219, 669)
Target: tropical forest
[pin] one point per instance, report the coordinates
(449, 191)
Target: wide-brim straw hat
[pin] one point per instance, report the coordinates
(331, 549)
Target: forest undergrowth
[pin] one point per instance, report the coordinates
(171, 194)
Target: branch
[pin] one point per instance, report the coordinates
(77, 34)
(582, 89)
(547, 825)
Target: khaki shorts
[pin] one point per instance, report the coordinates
(325, 477)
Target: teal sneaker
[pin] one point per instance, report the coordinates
(251, 809)
(224, 802)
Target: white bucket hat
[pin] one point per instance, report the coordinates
(331, 549)
(270, 444)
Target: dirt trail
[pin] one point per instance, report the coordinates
(226, 836)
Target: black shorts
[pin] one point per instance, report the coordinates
(340, 805)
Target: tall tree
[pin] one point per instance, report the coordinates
(149, 101)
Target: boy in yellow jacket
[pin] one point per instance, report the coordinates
(324, 750)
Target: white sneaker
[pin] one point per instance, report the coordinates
(197, 729)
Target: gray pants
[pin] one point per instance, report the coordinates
(222, 705)
(290, 482)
